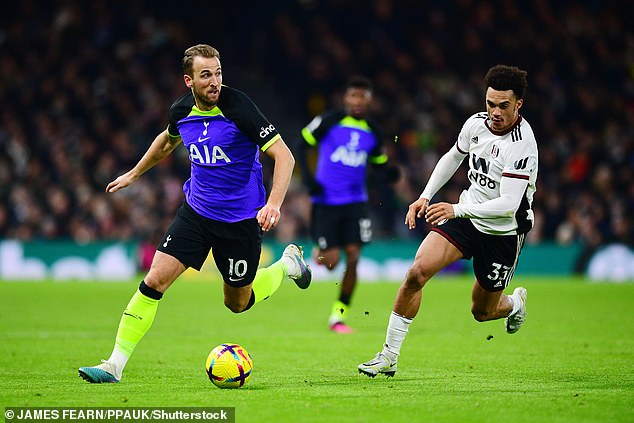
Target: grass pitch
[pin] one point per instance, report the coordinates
(572, 361)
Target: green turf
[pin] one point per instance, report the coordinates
(573, 361)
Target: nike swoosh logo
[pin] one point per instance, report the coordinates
(203, 139)
(133, 315)
(235, 279)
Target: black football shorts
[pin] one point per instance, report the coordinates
(235, 246)
(338, 226)
(494, 256)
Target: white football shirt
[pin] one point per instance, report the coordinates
(492, 156)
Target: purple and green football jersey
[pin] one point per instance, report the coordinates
(223, 144)
(345, 146)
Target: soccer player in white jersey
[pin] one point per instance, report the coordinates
(488, 223)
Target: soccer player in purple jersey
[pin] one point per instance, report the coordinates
(346, 141)
(225, 208)
(489, 222)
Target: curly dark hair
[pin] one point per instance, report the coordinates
(502, 78)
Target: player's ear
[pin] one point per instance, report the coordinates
(188, 80)
(519, 103)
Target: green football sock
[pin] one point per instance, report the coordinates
(267, 280)
(135, 322)
(339, 311)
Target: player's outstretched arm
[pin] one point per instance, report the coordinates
(161, 147)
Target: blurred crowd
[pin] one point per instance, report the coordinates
(85, 87)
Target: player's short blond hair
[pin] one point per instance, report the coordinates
(202, 50)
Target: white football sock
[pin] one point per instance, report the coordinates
(119, 360)
(516, 301)
(292, 268)
(396, 330)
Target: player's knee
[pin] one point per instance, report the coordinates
(154, 283)
(417, 276)
(235, 306)
(352, 257)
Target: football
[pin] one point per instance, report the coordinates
(229, 366)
